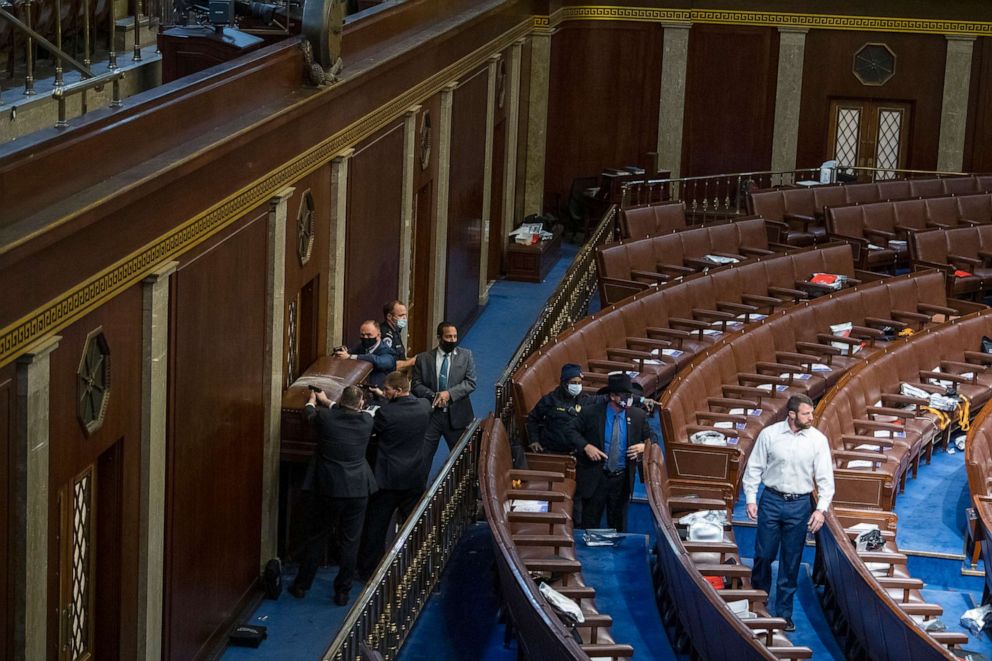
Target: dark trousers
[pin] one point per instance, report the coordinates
(440, 425)
(612, 494)
(382, 504)
(781, 535)
(349, 514)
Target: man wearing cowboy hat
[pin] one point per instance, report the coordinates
(609, 437)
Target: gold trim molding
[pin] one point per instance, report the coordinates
(101, 287)
(107, 283)
(769, 19)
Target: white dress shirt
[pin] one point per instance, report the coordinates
(790, 462)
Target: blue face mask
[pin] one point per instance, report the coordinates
(574, 389)
(401, 323)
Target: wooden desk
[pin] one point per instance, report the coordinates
(330, 374)
(532, 263)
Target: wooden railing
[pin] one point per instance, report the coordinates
(723, 196)
(392, 599)
(568, 304)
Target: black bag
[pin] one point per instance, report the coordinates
(248, 635)
(986, 345)
(272, 579)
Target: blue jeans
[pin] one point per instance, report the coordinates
(781, 534)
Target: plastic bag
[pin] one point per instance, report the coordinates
(912, 391)
(708, 438)
(975, 619)
(870, 540)
(567, 610)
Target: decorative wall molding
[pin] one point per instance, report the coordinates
(104, 285)
(763, 18)
(107, 283)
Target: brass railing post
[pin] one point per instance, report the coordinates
(59, 80)
(137, 31)
(111, 47)
(28, 53)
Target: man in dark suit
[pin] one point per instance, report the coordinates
(609, 438)
(342, 484)
(445, 376)
(400, 426)
(373, 350)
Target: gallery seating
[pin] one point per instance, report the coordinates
(804, 208)
(699, 584)
(878, 433)
(886, 226)
(652, 220)
(541, 543)
(741, 383)
(880, 603)
(963, 253)
(636, 264)
(654, 333)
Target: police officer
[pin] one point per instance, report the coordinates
(394, 315)
(549, 421)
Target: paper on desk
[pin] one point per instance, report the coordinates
(528, 506)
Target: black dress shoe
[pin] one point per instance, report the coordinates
(341, 598)
(297, 591)
(789, 625)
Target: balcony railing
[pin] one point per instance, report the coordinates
(724, 195)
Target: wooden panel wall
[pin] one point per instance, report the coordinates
(468, 155)
(215, 435)
(72, 450)
(604, 95)
(497, 233)
(316, 268)
(730, 99)
(8, 420)
(420, 334)
(375, 202)
(827, 75)
(978, 140)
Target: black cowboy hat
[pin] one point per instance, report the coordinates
(617, 382)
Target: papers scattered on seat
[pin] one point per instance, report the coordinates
(859, 463)
(651, 361)
(721, 259)
(881, 433)
(821, 367)
(754, 316)
(868, 448)
(528, 506)
(897, 245)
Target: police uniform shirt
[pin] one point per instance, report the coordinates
(393, 339)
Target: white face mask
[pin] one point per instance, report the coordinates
(401, 323)
(574, 389)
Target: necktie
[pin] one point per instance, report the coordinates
(442, 377)
(613, 460)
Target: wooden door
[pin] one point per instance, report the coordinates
(89, 542)
(870, 134)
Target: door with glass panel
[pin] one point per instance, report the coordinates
(869, 134)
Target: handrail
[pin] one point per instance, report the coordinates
(710, 197)
(566, 305)
(388, 606)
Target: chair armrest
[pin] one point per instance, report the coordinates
(694, 324)
(852, 455)
(723, 417)
(607, 650)
(786, 293)
(560, 565)
(711, 547)
(857, 439)
(536, 494)
(820, 349)
(683, 503)
(927, 610)
(873, 232)
(537, 476)
(953, 364)
(887, 558)
(946, 376)
(961, 259)
(674, 268)
(614, 353)
(550, 518)
(895, 413)
(731, 403)
(912, 316)
(879, 426)
(949, 638)
(735, 389)
(692, 429)
(936, 309)
(979, 357)
(755, 252)
(753, 377)
(608, 365)
(880, 322)
(897, 398)
(761, 301)
(783, 652)
(553, 541)
(649, 275)
(715, 315)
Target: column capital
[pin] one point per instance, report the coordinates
(39, 350)
(163, 271)
(413, 110)
(961, 37)
(281, 196)
(343, 155)
(676, 25)
(495, 58)
(783, 29)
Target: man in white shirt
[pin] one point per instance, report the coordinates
(789, 457)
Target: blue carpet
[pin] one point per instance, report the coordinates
(622, 578)
(497, 332)
(931, 511)
(459, 620)
(298, 628)
(955, 603)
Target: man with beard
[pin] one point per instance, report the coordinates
(790, 457)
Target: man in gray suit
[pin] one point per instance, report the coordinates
(445, 375)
